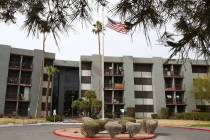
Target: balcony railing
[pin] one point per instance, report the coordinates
(13, 80)
(173, 74)
(26, 81)
(108, 72)
(14, 64)
(26, 66)
(175, 102)
(176, 88)
(117, 86)
(118, 100)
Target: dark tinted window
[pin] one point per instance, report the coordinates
(86, 79)
(144, 108)
(143, 94)
(86, 65)
(142, 81)
(142, 67)
(199, 69)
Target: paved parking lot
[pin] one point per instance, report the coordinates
(45, 133)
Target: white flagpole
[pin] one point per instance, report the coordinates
(102, 65)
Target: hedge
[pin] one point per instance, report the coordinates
(204, 116)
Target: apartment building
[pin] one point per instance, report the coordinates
(20, 82)
(145, 84)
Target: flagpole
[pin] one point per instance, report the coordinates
(102, 65)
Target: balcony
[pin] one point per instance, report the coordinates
(175, 102)
(13, 80)
(175, 74)
(108, 100)
(26, 66)
(110, 72)
(118, 100)
(179, 87)
(25, 81)
(14, 65)
(117, 86)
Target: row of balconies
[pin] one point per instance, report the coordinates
(116, 86)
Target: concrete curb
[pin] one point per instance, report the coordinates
(190, 128)
(106, 138)
(38, 124)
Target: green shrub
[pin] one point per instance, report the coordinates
(151, 126)
(57, 118)
(132, 128)
(102, 123)
(130, 112)
(89, 128)
(109, 115)
(114, 128)
(130, 119)
(164, 113)
(205, 116)
(154, 116)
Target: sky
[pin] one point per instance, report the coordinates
(83, 42)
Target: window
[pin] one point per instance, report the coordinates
(142, 67)
(86, 79)
(86, 66)
(45, 77)
(142, 81)
(48, 62)
(199, 69)
(44, 91)
(144, 108)
(143, 94)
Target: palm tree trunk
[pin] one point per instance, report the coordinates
(47, 95)
(41, 75)
(99, 52)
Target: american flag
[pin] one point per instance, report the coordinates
(117, 26)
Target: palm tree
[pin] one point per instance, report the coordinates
(50, 72)
(98, 28)
(44, 17)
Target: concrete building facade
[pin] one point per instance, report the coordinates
(144, 84)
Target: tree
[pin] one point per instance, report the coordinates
(201, 88)
(189, 18)
(50, 72)
(89, 104)
(98, 27)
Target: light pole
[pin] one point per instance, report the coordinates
(72, 98)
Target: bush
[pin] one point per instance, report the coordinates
(123, 122)
(130, 112)
(114, 128)
(89, 129)
(205, 116)
(102, 123)
(151, 126)
(154, 116)
(109, 115)
(132, 128)
(84, 119)
(164, 114)
(58, 118)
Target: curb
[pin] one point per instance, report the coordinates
(190, 128)
(38, 124)
(108, 138)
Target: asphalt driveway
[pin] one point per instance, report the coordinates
(45, 133)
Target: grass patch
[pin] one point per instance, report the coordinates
(4, 121)
(201, 125)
